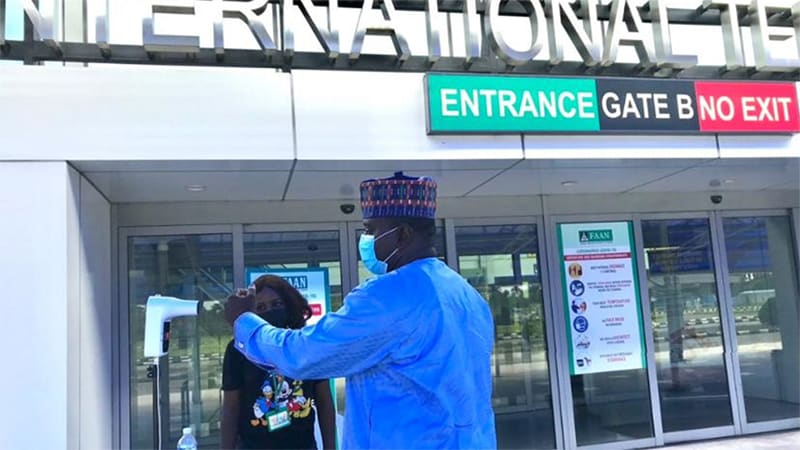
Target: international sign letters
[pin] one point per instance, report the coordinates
(496, 104)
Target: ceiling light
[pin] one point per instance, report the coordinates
(195, 187)
(569, 183)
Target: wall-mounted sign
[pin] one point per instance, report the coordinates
(312, 283)
(601, 297)
(595, 29)
(465, 104)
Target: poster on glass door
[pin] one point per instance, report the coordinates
(312, 283)
(601, 296)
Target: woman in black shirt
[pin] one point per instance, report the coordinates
(262, 409)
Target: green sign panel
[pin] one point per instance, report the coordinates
(480, 104)
(595, 235)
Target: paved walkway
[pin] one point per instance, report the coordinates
(782, 440)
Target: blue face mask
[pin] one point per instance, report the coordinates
(366, 248)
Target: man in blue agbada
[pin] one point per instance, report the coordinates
(415, 342)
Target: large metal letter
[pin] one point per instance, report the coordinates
(587, 38)
(763, 33)
(663, 39)
(43, 20)
(729, 16)
(328, 37)
(97, 16)
(472, 30)
(244, 11)
(796, 23)
(2, 22)
(627, 30)
(168, 43)
(538, 33)
(434, 34)
(368, 23)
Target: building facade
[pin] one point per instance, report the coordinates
(182, 174)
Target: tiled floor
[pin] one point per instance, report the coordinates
(785, 440)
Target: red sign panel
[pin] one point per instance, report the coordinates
(316, 309)
(747, 107)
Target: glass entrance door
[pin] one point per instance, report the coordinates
(763, 290)
(190, 266)
(600, 333)
(691, 369)
(502, 261)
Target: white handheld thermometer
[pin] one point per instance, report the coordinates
(158, 314)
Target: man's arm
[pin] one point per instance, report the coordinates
(358, 336)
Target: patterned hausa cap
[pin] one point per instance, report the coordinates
(399, 196)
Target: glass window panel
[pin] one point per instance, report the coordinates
(191, 267)
(502, 263)
(763, 282)
(689, 352)
(299, 250)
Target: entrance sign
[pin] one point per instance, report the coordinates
(312, 283)
(605, 332)
(597, 30)
(464, 104)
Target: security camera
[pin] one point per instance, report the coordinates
(716, 199)
(347, 208)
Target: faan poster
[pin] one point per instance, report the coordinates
(311, 282)
(601, 297)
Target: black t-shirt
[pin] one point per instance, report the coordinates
(262, 393)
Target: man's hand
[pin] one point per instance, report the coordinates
(238, 304)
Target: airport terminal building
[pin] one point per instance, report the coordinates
(619, 179)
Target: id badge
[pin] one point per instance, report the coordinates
(278, 419)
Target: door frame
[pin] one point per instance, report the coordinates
(793, 217)
(559, 320)
(538, 223)
(122, 318)
(728, 355)
(122, 369)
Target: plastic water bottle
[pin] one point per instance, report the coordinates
(187, 441)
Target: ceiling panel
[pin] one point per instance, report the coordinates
(533, 177)
(307, 185)
(731, 175)
(385, 168)
(122, 187)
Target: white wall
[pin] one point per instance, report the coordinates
(111, 112)
(95, 315)
(55, 271)
(33, 270)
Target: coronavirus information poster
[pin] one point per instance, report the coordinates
(601, 297)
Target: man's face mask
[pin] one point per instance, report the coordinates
(276, 317)
(366, 248)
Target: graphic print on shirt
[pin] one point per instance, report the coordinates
(278, 394)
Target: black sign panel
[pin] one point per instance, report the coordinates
(654, 105)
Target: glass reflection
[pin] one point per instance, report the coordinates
(692, 380)
(191, 267)
(765, 302)
(502, 262)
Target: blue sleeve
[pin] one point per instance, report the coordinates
(353, 339)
